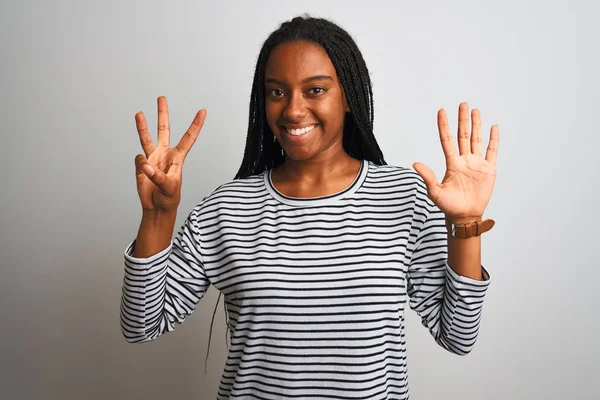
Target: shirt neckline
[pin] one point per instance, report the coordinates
(317, 201)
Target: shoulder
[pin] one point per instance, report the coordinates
(234, 187)
(398, 182)
(235, 191)
(392, 174)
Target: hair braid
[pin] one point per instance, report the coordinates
(262, 151)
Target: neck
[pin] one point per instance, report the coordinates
(316, 170)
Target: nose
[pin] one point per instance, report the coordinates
(295, 109)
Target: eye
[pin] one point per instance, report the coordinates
(276, 93)
(316, 91)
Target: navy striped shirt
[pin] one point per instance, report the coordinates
(315, 289)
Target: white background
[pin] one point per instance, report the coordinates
(74, 73)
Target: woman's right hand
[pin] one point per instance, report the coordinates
(158, 173)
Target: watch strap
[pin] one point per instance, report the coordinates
(472, 229)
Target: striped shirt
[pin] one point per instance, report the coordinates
(315, 288)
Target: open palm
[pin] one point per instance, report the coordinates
(159, 173)
(469, 181)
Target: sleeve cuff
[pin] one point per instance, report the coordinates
(464, 281)
(143, 262)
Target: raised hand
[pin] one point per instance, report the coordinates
(158, 173)
(469, 181)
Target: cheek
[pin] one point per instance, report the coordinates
(271, 113)
(333, 110)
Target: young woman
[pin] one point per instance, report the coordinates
(318, 246)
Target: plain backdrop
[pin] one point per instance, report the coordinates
(74, 73)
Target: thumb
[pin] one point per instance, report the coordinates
(426, 173)
(428, 176)
(156, 176)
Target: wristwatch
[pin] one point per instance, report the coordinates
(475, 228)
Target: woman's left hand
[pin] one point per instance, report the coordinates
(469, 181)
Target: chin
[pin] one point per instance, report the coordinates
(298, 156)
(298, 153)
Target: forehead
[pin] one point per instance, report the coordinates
(295, 61)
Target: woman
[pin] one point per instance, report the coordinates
(317, 245)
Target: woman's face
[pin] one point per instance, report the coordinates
(304, 101)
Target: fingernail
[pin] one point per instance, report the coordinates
(148, 170)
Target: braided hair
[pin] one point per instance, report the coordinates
(262, 150)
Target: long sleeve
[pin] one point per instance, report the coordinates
(162, 290)
(449, 305)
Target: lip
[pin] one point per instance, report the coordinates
(298, 126)
(296, 139)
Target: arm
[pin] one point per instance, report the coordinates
(163, 280)
(448, 303)
(448, 293)
(162, 289)
(464, 256)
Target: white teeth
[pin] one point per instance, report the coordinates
(298, 132)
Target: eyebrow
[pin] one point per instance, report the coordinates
(309, 79)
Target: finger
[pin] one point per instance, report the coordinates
(145, 139)
(164, 130)
(190, 136)
(429, 178)
(143, 167)
(476, 132)
(156, 176)
(445, 134)
(140, 161)
(463, 134)
(492, 149)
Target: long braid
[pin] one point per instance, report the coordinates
(262, 151)
(355, 76)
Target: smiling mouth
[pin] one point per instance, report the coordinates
(301, 131)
